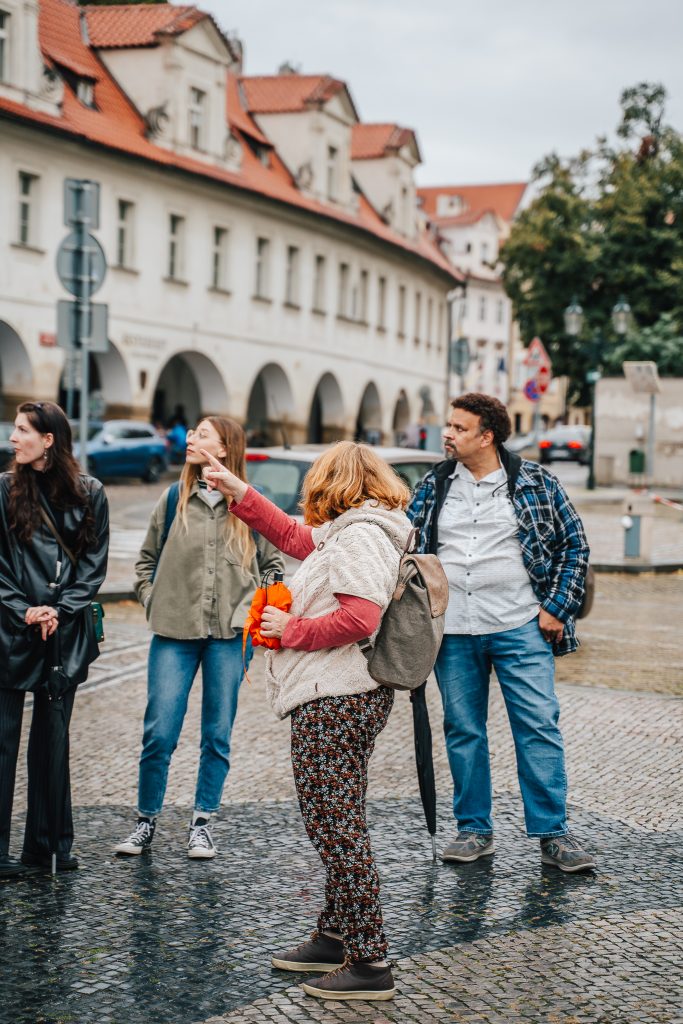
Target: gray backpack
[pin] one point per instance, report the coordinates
(411, 630)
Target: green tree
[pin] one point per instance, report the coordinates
(606, 223)
(663, 343)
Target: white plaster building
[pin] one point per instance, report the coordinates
(475, 220)
(265, 262)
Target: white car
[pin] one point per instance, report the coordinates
(279, 473)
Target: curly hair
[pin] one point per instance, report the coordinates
(65, 485)
(346, 476)
(491, 412)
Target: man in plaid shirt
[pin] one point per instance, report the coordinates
(516, 557)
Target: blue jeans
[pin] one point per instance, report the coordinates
(525, 667)
(173, 665)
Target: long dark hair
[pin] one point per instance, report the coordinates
(64, 487)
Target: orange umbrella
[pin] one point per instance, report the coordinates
(275, 594)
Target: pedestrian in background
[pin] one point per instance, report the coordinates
(196, 586)
(45, 608)
(516, 557)
(356, 529)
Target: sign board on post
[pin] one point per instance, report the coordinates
(537, 355)
(81, 203)
(92, 333)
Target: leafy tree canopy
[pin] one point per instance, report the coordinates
(606, 223)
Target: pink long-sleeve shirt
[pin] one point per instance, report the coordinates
(355, 618)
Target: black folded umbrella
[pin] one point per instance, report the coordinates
(424, 759)
(57, 749)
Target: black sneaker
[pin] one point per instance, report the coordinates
(320, 953)
(468, 846)
(139, 840)
(566, 853)
(44, 860)
(354, 981)
(11, 868)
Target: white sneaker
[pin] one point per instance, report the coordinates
(200, 845)
(139, 840)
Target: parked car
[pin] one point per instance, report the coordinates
(6, 449)
(571, 444)
(279, 472)
(123, 448)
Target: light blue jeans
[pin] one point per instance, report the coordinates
(525, 667)
(173, 665)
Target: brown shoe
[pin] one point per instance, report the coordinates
(354, 981)
(320, 953)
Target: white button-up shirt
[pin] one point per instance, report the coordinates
(489, 587)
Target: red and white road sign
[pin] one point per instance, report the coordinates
(543, 378)
(536, 355)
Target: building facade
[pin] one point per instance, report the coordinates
(265, 256)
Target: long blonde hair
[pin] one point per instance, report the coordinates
(238, 535)
(346, 476)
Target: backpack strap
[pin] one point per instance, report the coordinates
(171, 509)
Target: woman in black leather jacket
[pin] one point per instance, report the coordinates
(45, 613)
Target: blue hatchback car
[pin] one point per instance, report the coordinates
(123, 448)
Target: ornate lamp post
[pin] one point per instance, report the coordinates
(573, 324)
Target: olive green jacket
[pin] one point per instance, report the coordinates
(200, 587)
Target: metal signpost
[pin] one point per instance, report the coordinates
(459, 359)
(540, 374)
(81, 267)
(644, 378)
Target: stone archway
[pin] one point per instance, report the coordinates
(189, 386)
(369, 422)
(401, 421)
(270, 409)
(16, 372)
(326, 416)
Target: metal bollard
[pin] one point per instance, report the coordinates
(637, 521)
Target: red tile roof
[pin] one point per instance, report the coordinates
(117, 125)
(126, 25)
(502, 200)
(373, 141)
(281, 94)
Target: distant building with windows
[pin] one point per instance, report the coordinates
(266, 258)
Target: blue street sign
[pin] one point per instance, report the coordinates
(531, 390)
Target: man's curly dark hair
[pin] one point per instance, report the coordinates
(491, 412)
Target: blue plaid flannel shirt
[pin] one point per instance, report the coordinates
(554, 546)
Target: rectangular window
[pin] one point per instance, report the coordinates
(482, 307)
(292, 276)
(332, 171)
(319, 285)
(484, 252)
(4, 46)
(440, 330)
(363, 297)
(124, 234)
(430, 314)
(85, 91)
(418, 316)
(402, 311)
(28, 187)
(219, 259)
(382, 303)
(405, 210)
(262, 268)
(343, 298)
(197, 118)
(176, 235)
(500, 312)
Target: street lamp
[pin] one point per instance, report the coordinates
(573, 324)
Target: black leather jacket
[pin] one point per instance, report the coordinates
(26, 572)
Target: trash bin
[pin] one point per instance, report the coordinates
(636, 461)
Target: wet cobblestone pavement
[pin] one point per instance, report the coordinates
(168, 940)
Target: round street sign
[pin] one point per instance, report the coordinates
(81, 269)
(531, 390)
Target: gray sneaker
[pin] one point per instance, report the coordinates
(468, 846)
(566, 853)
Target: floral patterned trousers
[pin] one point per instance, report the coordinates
(332, 740)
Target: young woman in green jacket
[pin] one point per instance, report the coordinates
(196, 589)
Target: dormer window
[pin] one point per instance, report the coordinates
(4, 46)
(85, 91)
(197, 118)
(332, 172)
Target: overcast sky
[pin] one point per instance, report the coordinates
(490, 85)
